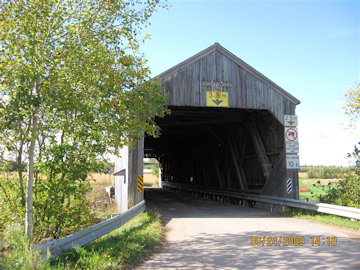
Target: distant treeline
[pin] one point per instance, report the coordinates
(325, 172)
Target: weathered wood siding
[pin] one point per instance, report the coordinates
(127, 167)
(184, 87)
(136, 167)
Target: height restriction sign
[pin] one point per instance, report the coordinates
(291, 134)
(290, 120)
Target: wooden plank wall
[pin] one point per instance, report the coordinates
(185, 88)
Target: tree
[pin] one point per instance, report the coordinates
(73, 86)
(347, 191)
(352, 107)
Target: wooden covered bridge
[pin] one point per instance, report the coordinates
(226, 131)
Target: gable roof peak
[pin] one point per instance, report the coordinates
(217, 47)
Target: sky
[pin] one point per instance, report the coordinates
(309, 48)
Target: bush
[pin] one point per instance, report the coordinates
(60, 207)
(347, 191)
(11, 209)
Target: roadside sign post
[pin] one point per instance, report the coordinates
(291, 142)
(292, 162)
(290, 120)
(291, 138)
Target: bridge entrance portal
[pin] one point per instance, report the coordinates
(225, 130)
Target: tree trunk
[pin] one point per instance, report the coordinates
(30, 179)
(19, 170)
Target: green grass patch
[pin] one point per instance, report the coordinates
(120, 249)
(323, 218)
(317, 187)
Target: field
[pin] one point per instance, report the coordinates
(311, 189)
(96, 178)
(150, 180)
(101, 179)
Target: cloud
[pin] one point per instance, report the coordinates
(325, 144)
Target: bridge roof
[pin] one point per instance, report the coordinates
(233, 58)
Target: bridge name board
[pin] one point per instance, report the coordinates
(217, 86)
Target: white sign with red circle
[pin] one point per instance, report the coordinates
(291, 134)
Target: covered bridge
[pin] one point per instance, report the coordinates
(225, 131)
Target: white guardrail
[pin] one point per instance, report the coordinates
(58, 246)
(343, 211)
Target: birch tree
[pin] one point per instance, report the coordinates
(73, 85)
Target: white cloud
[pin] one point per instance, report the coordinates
(325, 144)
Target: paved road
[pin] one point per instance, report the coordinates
(205, 234)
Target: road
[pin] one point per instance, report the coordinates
(205, 234)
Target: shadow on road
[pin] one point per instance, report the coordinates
(171, 204)
(212, 252)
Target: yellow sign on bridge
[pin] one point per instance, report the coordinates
(140, 183)
(217, 99)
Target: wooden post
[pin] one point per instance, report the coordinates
(232, 147)
(265, 163)
(202, 167)
(213, 153)
(240, 156)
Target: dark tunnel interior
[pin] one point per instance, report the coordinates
(217, 147)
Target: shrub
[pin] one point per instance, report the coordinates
(347, 191)
(60, 207)
(11, 209)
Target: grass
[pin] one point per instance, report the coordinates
(316, 189)
(101, 179)
(151, 180)
(323, 218)
(121, 249)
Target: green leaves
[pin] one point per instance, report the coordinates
(74, 66)
(74, 61)
(352, 107)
